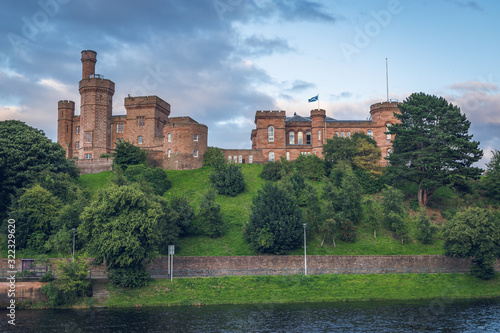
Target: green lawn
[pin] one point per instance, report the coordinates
(236, 210)
(299, 288)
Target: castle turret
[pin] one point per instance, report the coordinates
(95, 109)
(89, 58)
(318, 130)
(66, 112)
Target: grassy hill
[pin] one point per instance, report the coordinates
(236, 210)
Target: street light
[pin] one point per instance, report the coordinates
(74, 230)
(305, 251)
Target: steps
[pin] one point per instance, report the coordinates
(99, 292)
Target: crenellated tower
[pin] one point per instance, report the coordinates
(66, 113)
(95, 109)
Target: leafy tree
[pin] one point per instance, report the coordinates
(71, 282)
(367, 156)
(330, 230)
(183, 214)
(394, 213)
(121, 226)
(210, 215)
(125, 154)
(24, 153)
(474, 233)
(425, 230)
(155, 178)
(491, 180)
(273, 171)
(371, 212)
(338, 149)
(276, 221)
(432, 146)
(310, 166)
(35, 211)
(213, 157)
(228, 179)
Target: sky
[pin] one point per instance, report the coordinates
(219, 61)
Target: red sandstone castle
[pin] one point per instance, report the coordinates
(181, 142)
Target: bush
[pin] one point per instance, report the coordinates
(276, 221)
(126, 154)
(228, 179)
(130, 277)
(155, 178)
(310, 166)
(273, 171)
(425, 230)
(210, 216)
(214, 157)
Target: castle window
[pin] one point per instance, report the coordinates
(195, 137)
(235, 159)
(169, 152)
(119, 127)
(342, 134)
(336, 133)
(118, 140)
(300, 138)
(229, 158)
(292, 138)
(288, 156)
(169, 137)
(77, 145)
(88, 137)
(195, 153)
(271, 156)
(77, 129)
(308, 138)
(369, 133)
(270, 134)
(388, 136)
(348, 134)
(88, 156)
(140, 121)
(319, 135)
(240, 159)
(250, 159)
(389, 152)
(67, 128)
(139, 139)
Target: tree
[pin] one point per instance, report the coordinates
(125, 154)
(184, 214)
(273, 171)
(155, 178)
(367, 156)
(24, 153)
(491, 180)
(228, 179)
(310, 166)
(338, 149)
(210, 216)
(474, 233)
(330, 229)
(121, 226)
(213, 157)
(371, 214)
(432, 147)
(35, 211)
(394, 213)
(425, 230)
(276, 221)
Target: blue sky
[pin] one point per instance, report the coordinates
(219, 61)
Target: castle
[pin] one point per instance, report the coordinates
(181, 142)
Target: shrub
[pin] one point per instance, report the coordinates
(155, 178)
(228, 179)
(126, 154)
(213, 157)
(425, 230)
(310, 166)
(210, 216)
(273, 171)
(129, 277)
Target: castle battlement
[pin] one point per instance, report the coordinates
(66, 104)
(146, 100)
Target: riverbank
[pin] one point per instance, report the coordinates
(299, 288)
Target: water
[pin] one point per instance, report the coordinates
(421, 316)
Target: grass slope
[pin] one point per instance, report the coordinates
(236, 210)
(299, 288)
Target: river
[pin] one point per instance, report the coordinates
(415, 316)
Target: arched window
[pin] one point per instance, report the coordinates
(319, 135)
(388, 136)
(292, 138)
(229, 158)
(342, 134)
(369, 133)
(169, 152)
(348, 134)
(139, 139)
(336, 133)
(389, 152)
(235, 158)
(308, 138)
(271, 156)
(250, 159)
(169, 137)
(240, 159)
(300, 138)
(270, 134)
(288, 156)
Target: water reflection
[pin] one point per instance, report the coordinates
(422, 316)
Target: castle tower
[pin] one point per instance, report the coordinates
(66, 112)
(318, 131)
(270, 134)
(95, 109)
(382, 117)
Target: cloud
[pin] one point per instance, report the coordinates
(468, 4)
(258, 45)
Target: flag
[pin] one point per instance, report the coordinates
(313, 99)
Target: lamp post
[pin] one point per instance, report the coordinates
(305, 251)
(74, 230)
